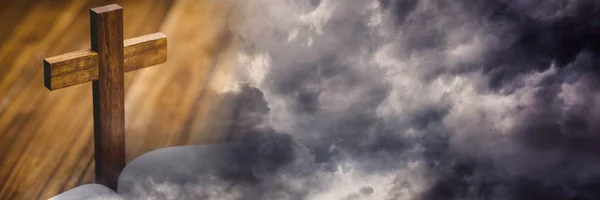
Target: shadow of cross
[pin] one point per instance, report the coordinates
(104, 65)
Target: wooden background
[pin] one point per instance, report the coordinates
(46, 137)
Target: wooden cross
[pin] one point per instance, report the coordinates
(104, 65)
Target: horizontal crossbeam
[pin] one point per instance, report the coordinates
(82, 66)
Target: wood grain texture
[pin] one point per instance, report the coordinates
(46, 138)
(185, 100)
(81, 66)
(106, 28)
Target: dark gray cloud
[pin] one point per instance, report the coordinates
(497, 99)
(417, 99)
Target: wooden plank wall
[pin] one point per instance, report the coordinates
(46, 137)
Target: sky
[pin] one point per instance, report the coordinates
(414, 99)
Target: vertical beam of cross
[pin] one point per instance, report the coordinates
(106, 26)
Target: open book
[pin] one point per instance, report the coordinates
(160, 169)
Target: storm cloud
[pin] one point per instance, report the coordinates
(417, 99)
